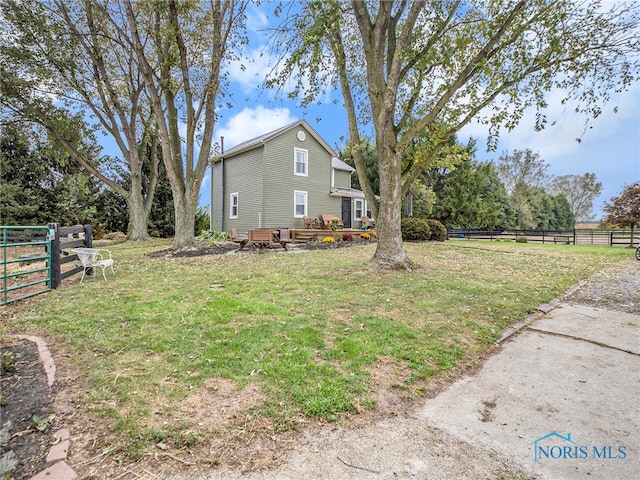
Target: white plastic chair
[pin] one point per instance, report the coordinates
(94, 258)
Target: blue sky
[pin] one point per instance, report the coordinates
(610, 147)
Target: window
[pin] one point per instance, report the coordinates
(358, 209)
(300, 162)
(233, 205)
(299, 204)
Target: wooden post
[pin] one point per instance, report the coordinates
(54, 254)
(88, 236)
(88, 242)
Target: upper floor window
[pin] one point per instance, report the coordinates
(300, 162)
(233, 205)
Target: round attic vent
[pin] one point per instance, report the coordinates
(301, 135)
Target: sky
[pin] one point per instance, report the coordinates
(609, 147)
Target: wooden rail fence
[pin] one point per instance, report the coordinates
(621, 238)
(34, 259)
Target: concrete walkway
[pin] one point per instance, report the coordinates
(575, 372)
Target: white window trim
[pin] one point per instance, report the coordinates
(295, 161)
(355, 208)
(295, 213)
(237, 205)
(365, 209)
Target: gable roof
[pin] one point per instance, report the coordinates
(262, 139)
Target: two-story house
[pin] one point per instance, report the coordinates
(277, 179)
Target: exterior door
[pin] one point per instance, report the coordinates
(346, 212)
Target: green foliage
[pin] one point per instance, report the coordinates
(40, 423)
(370, 154)
(161, 221)
(524, 173)
(39, 182)
(423, 199)
(471, 196)
(202, 223)
(438, 230)
(215, 235)
(7, 362)
(415, 229)
(563, 217)
(417, 72)
(112, 214)
(624, 209)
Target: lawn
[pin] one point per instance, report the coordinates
(300, 334)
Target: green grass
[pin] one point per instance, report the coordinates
(306, 329)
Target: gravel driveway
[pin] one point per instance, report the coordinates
(615, 288)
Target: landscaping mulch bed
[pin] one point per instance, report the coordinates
(202, 248)
(25, 401)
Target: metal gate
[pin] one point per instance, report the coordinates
(25, 262)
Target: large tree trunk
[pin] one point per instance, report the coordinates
(138, 216)
(390, 254)
(138, 208)
(185, 212)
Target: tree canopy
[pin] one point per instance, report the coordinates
(624, 210)
(580, 191)
(406, 68)
(66, 66)
(145, 73)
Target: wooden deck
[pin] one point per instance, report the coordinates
(263, 237)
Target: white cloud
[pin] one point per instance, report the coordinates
(253, 122)
(564, 126)
(610, 146)
(251, 71)
(257, 20)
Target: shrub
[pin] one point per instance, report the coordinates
(365, 236)
(347, 237)
(521, 239)
(328, 240)
(438, 230)
(415, 229)
(201, 224)
(215, 236)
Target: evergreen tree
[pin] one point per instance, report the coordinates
(22, 175)
(472, 196)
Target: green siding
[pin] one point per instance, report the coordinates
(265, 181)
(243, 174)
(216, 201)
(280, 181)
(342, 179)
